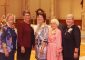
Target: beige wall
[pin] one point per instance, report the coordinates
(1, 7)
(68, 6)
(77, 9)
(14, 6)
(62, 7)
(44, 4)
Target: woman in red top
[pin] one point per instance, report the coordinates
(25, 38)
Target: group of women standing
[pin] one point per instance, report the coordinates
(50, 42)
(57, 41)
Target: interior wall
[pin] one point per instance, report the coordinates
(43, 4)
(13, 6)
(2, 7)
(69, 6)
(62, 7)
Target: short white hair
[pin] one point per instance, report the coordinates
(55, 21)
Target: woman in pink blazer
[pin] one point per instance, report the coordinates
(54, 48)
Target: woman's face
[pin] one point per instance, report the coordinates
(54, 25)
(69, 21)
(10, 20)
(40, 19)
(27, 17)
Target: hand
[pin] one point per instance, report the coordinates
(58, 53)
(75, 54)
(6, 52)
(10, 39)
(76, 50)
(5, 49)
(41, 51)
(22, 49)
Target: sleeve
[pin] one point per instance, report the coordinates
(6, 35)
(59, 41)
(20, 34)
(3, 36)
(77, 37)
(14, 41)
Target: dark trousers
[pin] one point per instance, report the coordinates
(69, 58)
(76, 59)
(23, 56)
(10, 57)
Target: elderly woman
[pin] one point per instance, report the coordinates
(54, 48)
(8, 39)
(72, 39)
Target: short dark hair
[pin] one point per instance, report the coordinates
(26, 12)
(39, 11)
(42, 14)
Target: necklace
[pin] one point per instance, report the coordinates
(53, 31)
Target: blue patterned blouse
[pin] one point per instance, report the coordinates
(9, 37)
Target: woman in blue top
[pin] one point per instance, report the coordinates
(9, 39)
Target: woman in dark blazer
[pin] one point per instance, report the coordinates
(72, 39)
